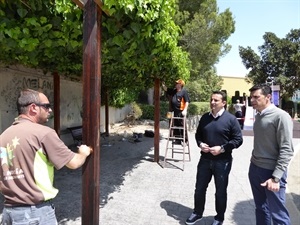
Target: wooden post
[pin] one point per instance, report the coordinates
(91, 112)
(156, 119)
(56, 103)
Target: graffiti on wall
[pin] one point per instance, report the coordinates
(73, 109)
(37, 83)
(12, 89)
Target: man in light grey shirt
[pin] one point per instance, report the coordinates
(272, 152)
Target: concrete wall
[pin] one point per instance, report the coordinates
(12, 81)
(16, 78)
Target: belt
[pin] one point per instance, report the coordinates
(38, 205)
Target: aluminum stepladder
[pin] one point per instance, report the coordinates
(179, 144)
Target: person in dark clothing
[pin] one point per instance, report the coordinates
(218, 133)
(238, 108)
(179, 100)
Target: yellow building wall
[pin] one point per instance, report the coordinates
(232, 84)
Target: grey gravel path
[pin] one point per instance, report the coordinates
(134, 190)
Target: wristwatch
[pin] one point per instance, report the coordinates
(222, 149)
(275, 179)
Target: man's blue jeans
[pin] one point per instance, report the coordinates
(220, 169)
(41, 214)
(269, 205)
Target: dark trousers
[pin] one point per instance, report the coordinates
(239, 115)
(220, 170)
(269, 205)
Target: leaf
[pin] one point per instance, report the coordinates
(48, 43)
(135, 27)
(118, 40)
(43, 20)
(74, 44)
(22, 12)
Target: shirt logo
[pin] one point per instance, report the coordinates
(10, 167)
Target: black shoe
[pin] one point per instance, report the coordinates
(193, 219)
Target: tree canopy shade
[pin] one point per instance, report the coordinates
(139, 40)
(279, 58)
(140, 44)
(42, 34)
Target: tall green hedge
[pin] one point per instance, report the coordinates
(195, 108)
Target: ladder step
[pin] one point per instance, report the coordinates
(178, 128)
(178, 151)
(175, 138)
(180, 144)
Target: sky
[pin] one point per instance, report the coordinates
(253, 18)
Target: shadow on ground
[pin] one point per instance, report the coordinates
(181, 213)
(296, 199)
(119, 156)
(115, 163)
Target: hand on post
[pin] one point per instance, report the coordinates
(85, 150)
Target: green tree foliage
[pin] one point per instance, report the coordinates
(201, 89)
(139, 41)
(204, 34)
(279, 58)
(41, 34)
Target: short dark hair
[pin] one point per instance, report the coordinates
(222, 93)
(25, 98)
(265, 89)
